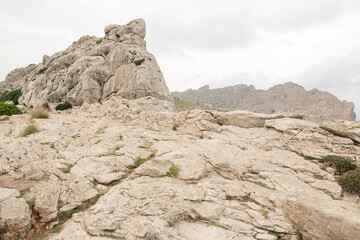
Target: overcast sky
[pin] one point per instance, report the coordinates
(315, 43)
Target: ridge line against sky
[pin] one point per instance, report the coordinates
(315, 44)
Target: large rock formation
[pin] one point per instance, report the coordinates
(94, 69)
(242, 175)
(288, 97)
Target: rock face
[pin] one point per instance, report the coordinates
(288, 97)
(241, 175)
(94, 69)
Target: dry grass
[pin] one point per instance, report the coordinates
(29, 129)
(39, 112)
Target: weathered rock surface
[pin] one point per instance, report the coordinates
(13, 210)
(93, 70)
(289, 97)
(242, 175)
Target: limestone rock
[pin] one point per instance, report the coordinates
(94, 69)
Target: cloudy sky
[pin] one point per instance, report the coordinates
(315, 43)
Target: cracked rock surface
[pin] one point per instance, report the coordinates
(246, 178)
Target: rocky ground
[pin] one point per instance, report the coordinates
(205, 175)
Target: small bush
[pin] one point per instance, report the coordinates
(106, 53)
(29, 129)
(8, 109)
(39, 112)
(11, 96)
(139, 62)
(42, 70)
(350, 181)
(174, 127)
(341, 164)
(56, 229)
(99, 41)
(63, 106)
(174, 170)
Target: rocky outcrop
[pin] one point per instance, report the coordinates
(94, 69)
(289, 97)
(241, 175)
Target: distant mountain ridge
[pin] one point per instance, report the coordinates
(288, 97)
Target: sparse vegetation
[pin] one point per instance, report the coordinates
(174, 127)
(29, 129)
(63, 106)
(174, 170)
(350, 181)
(42, 70)
(67, 169)
(263, 185)
(99, 41)
(219, 225)
(264, 212)
(219, 123)
(11, 96)
(121, 137)
(120, 41)
(140, 160)
(31, 202)
(298, 116)
(247, 198)
(274, 233)
(101, 131)
(118, 147)
(8, 109)
(341, 164)
(66, 215)
(139, 62)
(56, 229)
(183, 105)
(71, 87)
(39, 112)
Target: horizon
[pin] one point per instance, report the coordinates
(314, 45)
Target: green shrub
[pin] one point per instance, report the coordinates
(341, 164)
(29, 129)
(106, 53)
(71, 87)
(174, 127)
(63, 106)
(42, 70)
(350, 181)
(11, 96)
(8, 109)
(139, 62)
(174, 170)
(99, 41)
(39, 112)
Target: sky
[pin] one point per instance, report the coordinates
(314, 43)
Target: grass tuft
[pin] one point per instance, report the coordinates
(140, 160)
(39, 112)
(174, 170)
(263, 185)
(29, 129)
(99, 41)
(67, 169)
(42, 70)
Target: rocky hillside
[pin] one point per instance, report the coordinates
(289, 97)
(93, 69)
(114, 171)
